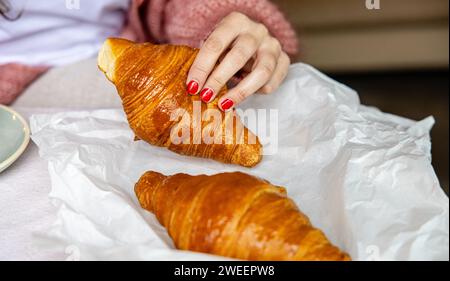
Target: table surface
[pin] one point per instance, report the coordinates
(26, 207)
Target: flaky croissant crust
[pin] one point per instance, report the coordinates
(151, 81)
(234, 215)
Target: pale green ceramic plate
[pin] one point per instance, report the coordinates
(14, 136)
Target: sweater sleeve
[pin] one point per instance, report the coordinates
(14, 78)
(190, 22)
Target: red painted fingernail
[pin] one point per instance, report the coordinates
(192, 87)
(206, 94)
(226, 104)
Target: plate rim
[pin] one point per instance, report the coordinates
(13, 157)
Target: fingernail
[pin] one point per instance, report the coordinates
(226, 104)
(206, 94)
(192, 87)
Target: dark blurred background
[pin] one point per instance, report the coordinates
(396, 57)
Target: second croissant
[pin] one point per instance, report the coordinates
(234, 215)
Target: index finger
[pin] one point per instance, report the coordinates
(209, 54)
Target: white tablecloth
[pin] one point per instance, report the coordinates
(25, 207)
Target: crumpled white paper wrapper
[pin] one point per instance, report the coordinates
(362, 176)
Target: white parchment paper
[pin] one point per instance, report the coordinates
(364, 177)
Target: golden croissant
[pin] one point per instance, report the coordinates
(150, 80)
(234, 215)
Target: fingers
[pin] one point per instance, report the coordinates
(260, 75)
(278, 76)
(209, 54)
(238, 45)
(244, 48)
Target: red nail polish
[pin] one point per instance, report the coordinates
(192, 87)
(206, 94)
(226, 104)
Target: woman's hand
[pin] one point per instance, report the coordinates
(245, 46)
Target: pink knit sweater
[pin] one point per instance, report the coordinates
(168, 21)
